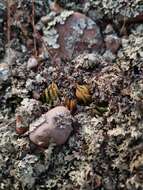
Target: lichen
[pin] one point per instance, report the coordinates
(104, 150)
(51, 35)
(51, 38)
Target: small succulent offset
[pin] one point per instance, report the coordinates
(50, 94)
(71, 104)
(83, 94)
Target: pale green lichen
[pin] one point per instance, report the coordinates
(51, 35)
(124, 8)
(79, 25)
(60, 19)
(88, 61)
(137, 91)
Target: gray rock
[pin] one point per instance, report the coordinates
(4, 72)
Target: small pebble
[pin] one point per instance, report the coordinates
(20, 129)
(112, 43)
(109, 29)
(54, 126)
(32, 63)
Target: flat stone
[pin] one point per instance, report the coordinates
(54, 126)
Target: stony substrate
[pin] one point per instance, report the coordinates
(90, 61)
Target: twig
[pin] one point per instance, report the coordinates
(8, 30)
(124, 20)
(34, 30)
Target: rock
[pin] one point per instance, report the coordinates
(54, 126)
(112, 43)
(32, 63)
(29, 110)
(39, 79)
(4, 72)
(109, 29)
(72, 33)
(20, 128)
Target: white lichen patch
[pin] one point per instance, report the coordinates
(79, 25)
(50, 33)
(89, 61)
(51, 37)
(27, 111)
(25, 172)
(90, 24)
(60, 19)
(130, 8)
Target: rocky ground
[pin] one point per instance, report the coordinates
(87, 56)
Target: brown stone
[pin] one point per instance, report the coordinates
(78, 34)
(54, 126)
(20, 129)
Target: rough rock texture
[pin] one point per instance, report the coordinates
(112, 43)
(72, 35)
(54, 126)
